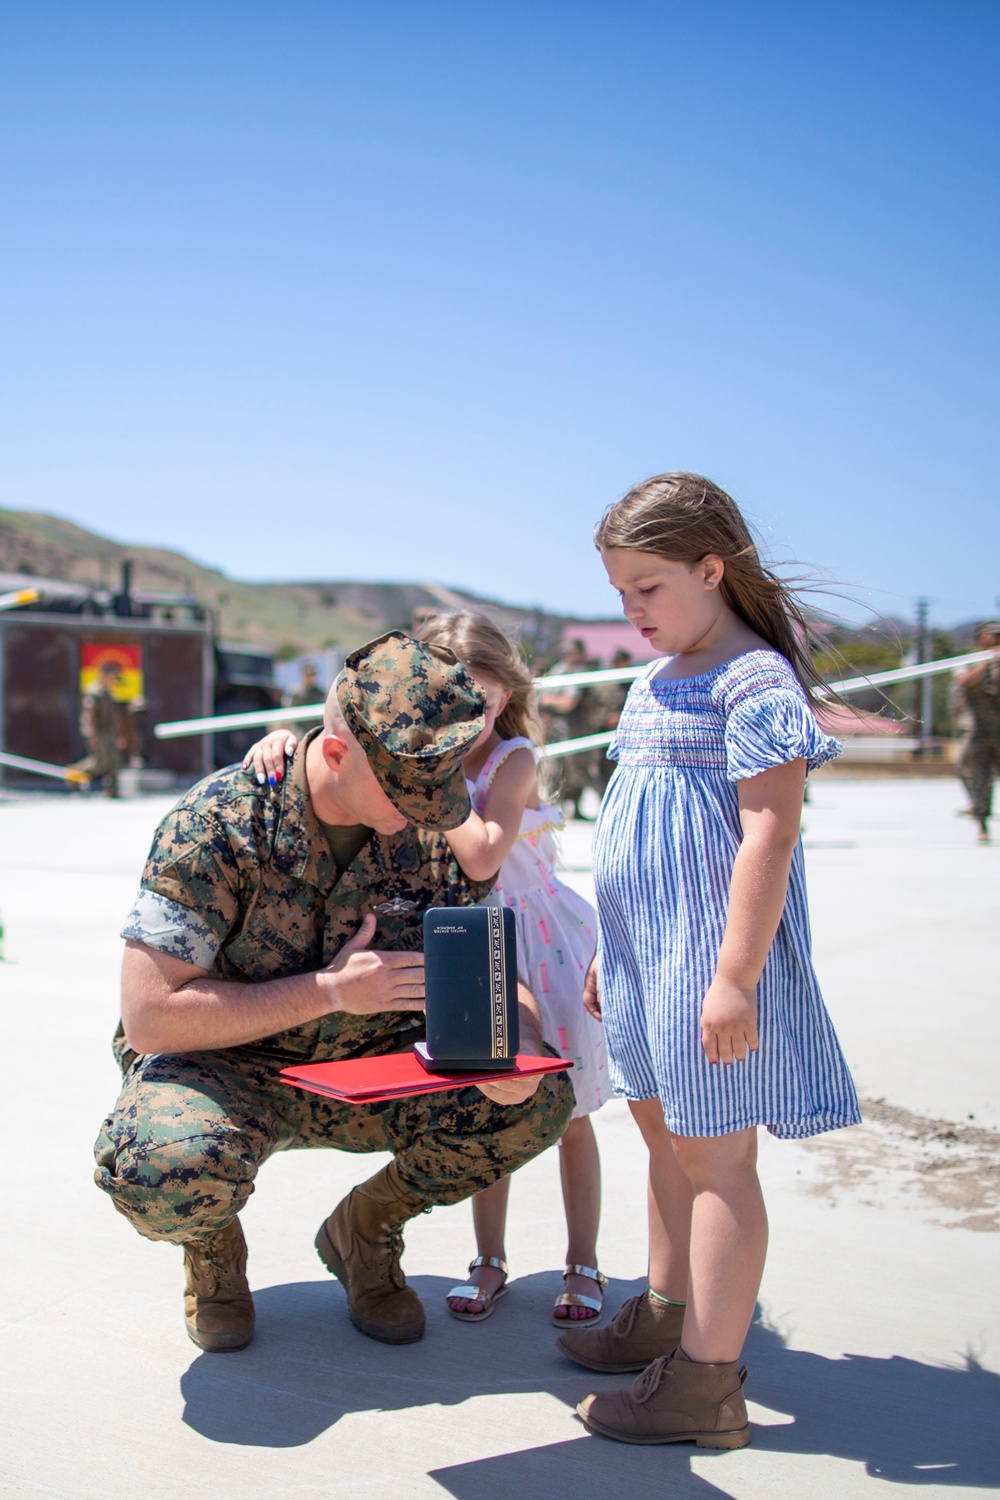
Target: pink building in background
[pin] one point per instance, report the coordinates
(602, 638)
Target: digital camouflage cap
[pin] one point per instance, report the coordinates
(416, 712)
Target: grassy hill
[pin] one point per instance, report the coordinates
(288, 618)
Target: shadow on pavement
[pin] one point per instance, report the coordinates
(906, 1422)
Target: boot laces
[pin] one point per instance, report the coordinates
(647, 1384)
(215, 1263)
(391, 1239)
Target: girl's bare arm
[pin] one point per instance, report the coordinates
(770, 814)
(482, 844)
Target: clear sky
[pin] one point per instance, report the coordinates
(412, 290)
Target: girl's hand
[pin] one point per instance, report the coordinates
(268, 755)
(728, 1022)
(591, 992)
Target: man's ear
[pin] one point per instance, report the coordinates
(334, 748)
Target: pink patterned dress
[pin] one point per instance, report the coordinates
(556, 937)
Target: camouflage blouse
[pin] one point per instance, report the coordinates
(241, 882)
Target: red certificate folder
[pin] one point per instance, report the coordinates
(369, 1080)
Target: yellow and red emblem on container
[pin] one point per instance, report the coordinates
(125, 655)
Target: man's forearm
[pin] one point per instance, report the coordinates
(206, 1014)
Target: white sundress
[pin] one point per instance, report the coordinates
(666, 839)
(556, 938)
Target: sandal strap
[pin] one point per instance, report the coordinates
(488, 1260)
(471, 1293)
(591, 1272)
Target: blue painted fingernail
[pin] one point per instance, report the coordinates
(270, 781)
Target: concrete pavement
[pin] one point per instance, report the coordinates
(875, 1359)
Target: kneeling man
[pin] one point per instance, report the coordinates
(250, 947)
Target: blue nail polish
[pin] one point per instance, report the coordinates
(270, 781)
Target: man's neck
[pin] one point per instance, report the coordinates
(322, 794)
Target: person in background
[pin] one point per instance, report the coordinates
(104, 729)
(308, 692)
(979, 686)
(609, 700)
(567, 714)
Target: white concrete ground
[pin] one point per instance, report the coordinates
(875, 1361)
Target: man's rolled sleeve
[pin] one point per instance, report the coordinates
(160, 923)
(188, 902)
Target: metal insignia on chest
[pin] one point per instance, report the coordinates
(396, 906)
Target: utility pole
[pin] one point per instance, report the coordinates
(923, 653)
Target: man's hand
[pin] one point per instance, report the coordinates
(591, 992)
(364, 982)
(509, 1091)
(728, 1022)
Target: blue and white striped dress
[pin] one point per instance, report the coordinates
(664, 847)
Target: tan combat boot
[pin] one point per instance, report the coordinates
(674, 1401)
(218, 1307)
(641, 1330)
(361, 1243)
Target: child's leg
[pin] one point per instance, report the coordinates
(728, 1242)
(489, 1215)
(580, 1170)
(669, 1204)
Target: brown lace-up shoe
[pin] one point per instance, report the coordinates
(674, 1401)
(218, 1307)
(641, 1330)
(361, 1243)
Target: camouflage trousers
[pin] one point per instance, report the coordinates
(179, 1154)
(980, 764)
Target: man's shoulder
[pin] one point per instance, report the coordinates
(229, 800)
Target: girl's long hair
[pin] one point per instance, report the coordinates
(483, 647)
(683, 517)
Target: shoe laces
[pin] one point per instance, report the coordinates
(624, 1318)
(646, 1384)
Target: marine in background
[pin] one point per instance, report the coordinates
(979, 686)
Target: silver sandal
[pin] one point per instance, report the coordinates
(473, 1293)
(576, 1299)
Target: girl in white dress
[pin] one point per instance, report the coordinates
(512, 830)
(556, 936)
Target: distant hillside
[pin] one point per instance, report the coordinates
(292, 618)
(288, 618)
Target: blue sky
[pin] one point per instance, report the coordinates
(414, 290)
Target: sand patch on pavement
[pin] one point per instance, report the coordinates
(951, 1170)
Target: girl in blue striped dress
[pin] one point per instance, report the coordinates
(713, 1016)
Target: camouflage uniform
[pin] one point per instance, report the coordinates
(981, 755)
(575, 772)
(306, 696)
(101, 722)
(241, 882)
(609, 700)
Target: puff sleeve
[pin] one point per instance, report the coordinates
(770, 728)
